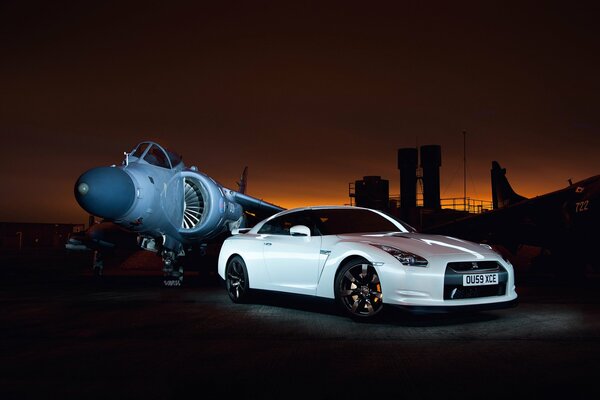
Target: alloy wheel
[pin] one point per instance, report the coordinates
(236, 281)
(359, 290)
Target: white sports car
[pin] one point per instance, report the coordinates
(364, 259)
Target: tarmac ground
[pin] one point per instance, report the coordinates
(65, 334)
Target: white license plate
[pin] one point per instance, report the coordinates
(480, 279)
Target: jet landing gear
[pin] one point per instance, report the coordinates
(170, 252)
(98, 264)
(173, 271)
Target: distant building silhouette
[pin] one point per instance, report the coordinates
(431, 161)
(372, 192)
(420, 203)
(407, 164)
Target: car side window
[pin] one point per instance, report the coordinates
(336, 222)
(274, 227)
(282, 224)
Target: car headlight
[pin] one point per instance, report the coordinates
(405, 257)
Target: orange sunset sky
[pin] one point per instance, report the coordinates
(309, 95)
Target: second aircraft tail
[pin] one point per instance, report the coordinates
(503, 194)
(243, 183)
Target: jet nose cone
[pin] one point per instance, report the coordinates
(106, 192)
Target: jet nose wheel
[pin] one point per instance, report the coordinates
(358, 290)
(173, 273)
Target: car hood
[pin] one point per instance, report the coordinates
(422, 244)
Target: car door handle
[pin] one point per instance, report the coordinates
(268, 243)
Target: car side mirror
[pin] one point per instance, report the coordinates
(300, 230)
(239, 231)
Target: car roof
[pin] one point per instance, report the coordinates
(318, 207)
(323, 207)
(259, 225)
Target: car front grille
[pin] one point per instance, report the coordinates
(474, 266)
(453, 280)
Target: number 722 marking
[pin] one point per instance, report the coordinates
(582, 206)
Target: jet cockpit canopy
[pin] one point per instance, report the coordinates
(154, 154)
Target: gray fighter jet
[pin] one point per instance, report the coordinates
(172, 208)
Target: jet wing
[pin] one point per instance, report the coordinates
(260, 208)
(103, 236)
(546, 221)
(511, 226)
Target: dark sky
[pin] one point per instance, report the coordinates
(309, 95)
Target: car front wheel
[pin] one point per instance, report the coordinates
(236, 280)
(358, 290)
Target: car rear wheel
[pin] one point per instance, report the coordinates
(236, 280)
(358, 290)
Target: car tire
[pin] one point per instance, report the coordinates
(236, 280)
(358, 290)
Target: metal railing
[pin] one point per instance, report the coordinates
(473, 206)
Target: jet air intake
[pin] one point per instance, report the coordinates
(204, 208)
(193, 204)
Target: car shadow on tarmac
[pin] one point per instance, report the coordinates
(390, 315)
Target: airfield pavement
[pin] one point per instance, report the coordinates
(67, 335)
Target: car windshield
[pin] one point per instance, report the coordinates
(340, 221)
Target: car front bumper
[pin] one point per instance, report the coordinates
(457, 308)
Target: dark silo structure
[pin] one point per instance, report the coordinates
(407, 164)
(372, 192)
(431, 161)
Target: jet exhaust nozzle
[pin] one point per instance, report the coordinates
(106, 192)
